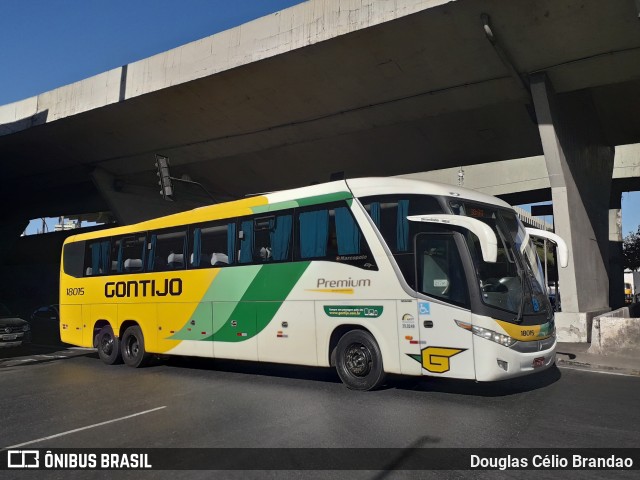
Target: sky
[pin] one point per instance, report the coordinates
(46, 44)
(630, 212)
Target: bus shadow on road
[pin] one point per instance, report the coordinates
(500, 388)
(276, 370)
(397, 382)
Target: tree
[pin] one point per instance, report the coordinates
(631, 250)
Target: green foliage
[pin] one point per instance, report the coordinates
(551, 258)
(631, 250)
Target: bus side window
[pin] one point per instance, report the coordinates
(272, 238)
(211, 245)
(439, 268)
(127, 254)
(97, 258)
(266, 239)
(313, 233)
(389, 214)
(262, 251)
(332, 233)
(116, 256)
(167, 251)
(281, 236)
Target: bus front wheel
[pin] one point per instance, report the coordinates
(108, 346)
(133, 352)
(359, 361)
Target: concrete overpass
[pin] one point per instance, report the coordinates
(526, 180)
(364, 87)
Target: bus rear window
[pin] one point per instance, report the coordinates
(73, 255)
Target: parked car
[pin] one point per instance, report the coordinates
(14, 331)
(45, 325)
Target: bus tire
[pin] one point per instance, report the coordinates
(359, 361)
(132, 347)
(108, 346)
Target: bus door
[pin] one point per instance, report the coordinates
(446, 349)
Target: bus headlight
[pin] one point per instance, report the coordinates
(500, 338)
(505, 340)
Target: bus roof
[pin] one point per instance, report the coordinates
(263, 203)
(362, 187)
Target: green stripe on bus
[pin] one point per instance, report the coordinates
(303, 202)
(274, 207)
(224, 293)
(274, 281)
(242, 302)
(326, 198)
(231, 283)
(260, 303)
(198, 322)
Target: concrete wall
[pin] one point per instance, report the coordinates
(617, 333)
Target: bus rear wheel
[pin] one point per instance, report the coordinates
(132, 347)
(359, 361)
(108, 346)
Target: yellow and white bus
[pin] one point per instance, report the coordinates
(370, 275)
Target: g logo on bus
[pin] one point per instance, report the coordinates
(436, 359)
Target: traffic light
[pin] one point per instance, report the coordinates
(162, 164)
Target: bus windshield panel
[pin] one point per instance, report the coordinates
(512, 283)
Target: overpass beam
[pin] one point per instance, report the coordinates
(134, 203)
(580, 167)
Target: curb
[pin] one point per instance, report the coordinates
(576, 365)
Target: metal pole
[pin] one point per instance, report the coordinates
(546, 274)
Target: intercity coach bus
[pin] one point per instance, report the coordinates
(370, 275)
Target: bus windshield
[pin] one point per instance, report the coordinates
(513, 283)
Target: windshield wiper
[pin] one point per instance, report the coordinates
(520, 316)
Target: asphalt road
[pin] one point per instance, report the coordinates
(77, 401)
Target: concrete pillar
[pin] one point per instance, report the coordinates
(134, 203)
(616, 259)
(580, 167)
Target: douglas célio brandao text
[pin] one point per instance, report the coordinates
(546, 462)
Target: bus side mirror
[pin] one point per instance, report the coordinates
(563, 251)
(488, 240)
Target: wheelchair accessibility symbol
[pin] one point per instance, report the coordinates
(424, 308)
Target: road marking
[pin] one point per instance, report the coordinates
(82, 428)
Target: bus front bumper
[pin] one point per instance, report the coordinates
(497, 362)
